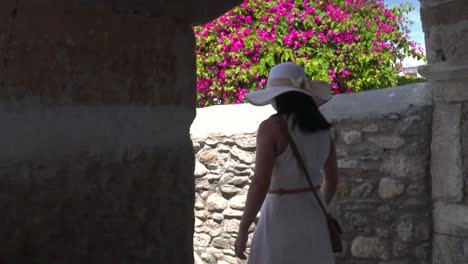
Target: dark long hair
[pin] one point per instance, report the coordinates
(303, 109)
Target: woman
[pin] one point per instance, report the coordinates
(292, 228)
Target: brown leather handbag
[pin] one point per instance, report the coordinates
(333, 226)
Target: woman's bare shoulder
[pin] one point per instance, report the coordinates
(270, 125)
(274, 130)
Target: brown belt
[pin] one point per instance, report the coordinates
(292, 191)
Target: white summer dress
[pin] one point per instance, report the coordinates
(292, 229)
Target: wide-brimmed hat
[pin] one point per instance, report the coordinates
(289, 77)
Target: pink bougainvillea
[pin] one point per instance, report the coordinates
(354, 44)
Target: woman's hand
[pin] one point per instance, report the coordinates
(241, 244)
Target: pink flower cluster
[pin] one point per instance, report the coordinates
(335, 12)
(236, 51)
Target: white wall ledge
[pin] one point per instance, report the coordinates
(245, 118)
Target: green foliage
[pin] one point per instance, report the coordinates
(356, 45)
(404, 80)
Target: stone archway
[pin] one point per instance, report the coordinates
(95, 165)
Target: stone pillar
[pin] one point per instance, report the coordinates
(445, 24)
(96, 101)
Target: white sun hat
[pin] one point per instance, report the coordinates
(289, 77)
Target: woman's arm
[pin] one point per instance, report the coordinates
(330, 175)
(265, 158)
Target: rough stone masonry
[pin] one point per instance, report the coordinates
(384, 196)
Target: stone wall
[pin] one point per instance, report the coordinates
(449, 174)
(445, 24)
(223, 171)
(465, 149)
(96, 102)
(445, 28)
(384, 195)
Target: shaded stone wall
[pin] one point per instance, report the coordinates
(96, 101)
(97, 209)
(445, 24)
(465, 149)
(384, 195)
